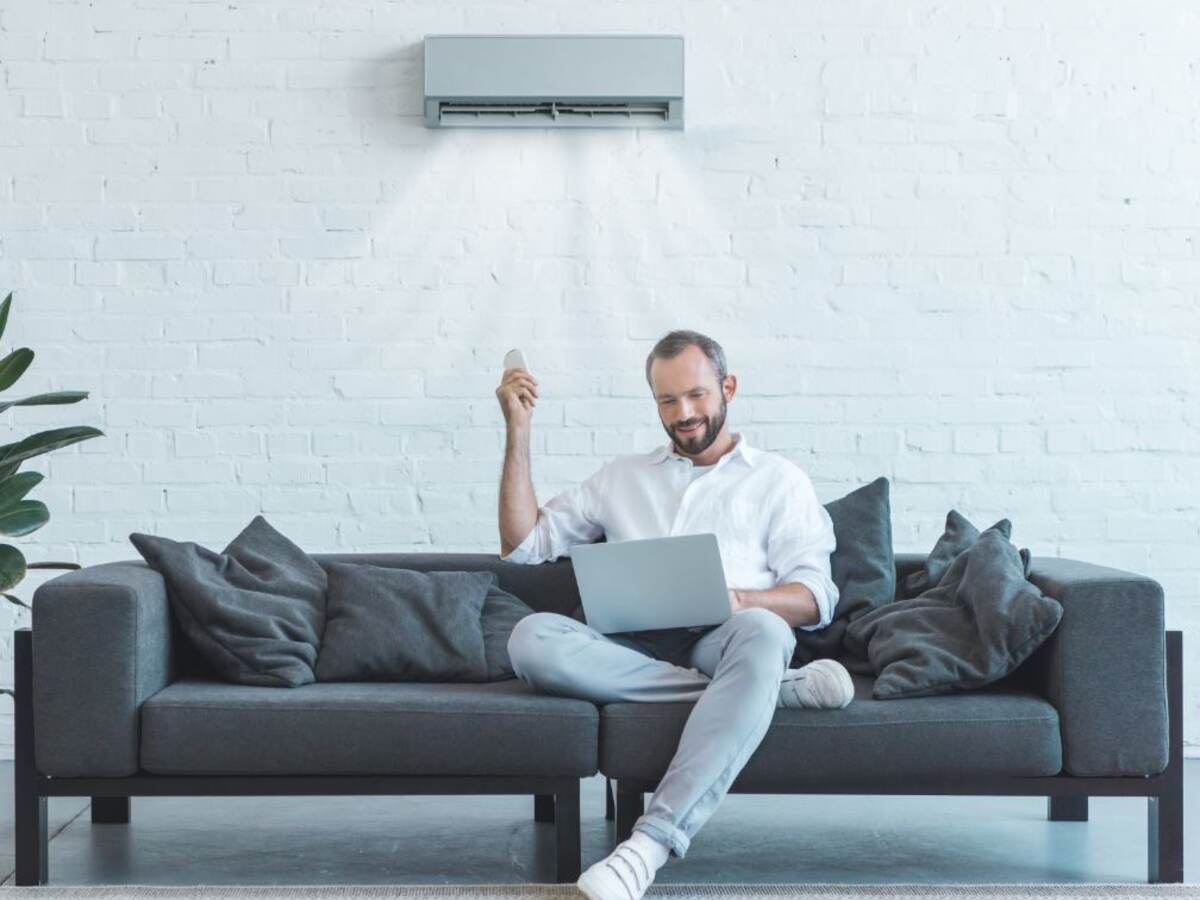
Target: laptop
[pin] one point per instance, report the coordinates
(652, 583)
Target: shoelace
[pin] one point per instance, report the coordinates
(619, 853)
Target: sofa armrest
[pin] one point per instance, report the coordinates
(102, 644)
(1104, 667)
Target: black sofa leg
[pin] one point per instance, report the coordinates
(630, 806)
(110, 810)
(543, 807)
(1068, 808)
(609, 806)
(566, 832)
(1164, 819)
(30, 840)
(1165, 839)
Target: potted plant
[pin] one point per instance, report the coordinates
(20, 516)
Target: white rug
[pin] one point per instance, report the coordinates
(570, 892)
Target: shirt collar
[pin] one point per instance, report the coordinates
(741, 450)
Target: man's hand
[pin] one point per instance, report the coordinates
(517, 393)
(735, 600)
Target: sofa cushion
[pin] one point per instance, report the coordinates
(862, 566)
(403, 625)
(1001, 729)
(198, 727)
(254, 611)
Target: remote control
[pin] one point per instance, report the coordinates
(515, 359)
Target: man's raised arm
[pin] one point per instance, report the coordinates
(517, 394)
(529, 534)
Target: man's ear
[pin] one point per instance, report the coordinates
(730, 387)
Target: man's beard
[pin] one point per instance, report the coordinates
(697, 443)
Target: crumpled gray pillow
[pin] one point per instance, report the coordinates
(978, 624)
(396, 624)
(254, 612)
(958, 535)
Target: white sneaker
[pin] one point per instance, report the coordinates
(822, 684)
(622, 875)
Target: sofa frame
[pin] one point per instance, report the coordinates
(556, 798)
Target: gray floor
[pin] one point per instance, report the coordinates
(464, 840)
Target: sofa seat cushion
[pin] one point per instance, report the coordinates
(999, 729)
(205, 727)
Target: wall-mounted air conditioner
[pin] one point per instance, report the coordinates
(554, 81)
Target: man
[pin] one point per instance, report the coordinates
(775, 539)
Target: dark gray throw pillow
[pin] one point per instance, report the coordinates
(394, 624)
(501, 611)
(254, 612)
(863, 568)
(959, 535)
(976, 625)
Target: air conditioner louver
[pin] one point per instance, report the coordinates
(553, 113)
(554, 81)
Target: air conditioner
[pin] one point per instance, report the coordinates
(554, 81)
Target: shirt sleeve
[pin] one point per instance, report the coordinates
(800, 542)
(569, 518)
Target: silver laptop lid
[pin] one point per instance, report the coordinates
(640, 585)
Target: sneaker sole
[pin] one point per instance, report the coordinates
(843, 677)
(585, 888)
(584, 883)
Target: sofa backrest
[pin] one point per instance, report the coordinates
(547, 587)
(907, 563)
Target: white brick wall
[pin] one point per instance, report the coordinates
(955, 244)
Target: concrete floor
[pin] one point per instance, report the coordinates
(465, 840)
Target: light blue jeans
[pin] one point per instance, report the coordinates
(732, 671)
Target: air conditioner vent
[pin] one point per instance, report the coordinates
(553, 81)
(554, 112)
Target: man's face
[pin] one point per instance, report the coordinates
(687, 393)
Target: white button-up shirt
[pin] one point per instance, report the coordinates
(770, 527)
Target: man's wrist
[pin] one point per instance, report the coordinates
(780, 601)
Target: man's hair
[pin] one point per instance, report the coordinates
(675, 342)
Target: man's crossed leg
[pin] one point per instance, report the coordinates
(733, 672)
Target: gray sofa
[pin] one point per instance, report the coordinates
(112, 703)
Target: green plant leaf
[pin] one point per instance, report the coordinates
(22, 518)
(15, 487)
(53, 565)
(13, 598)
(12, 567)
(43, 442)
(46, 399)
(13, 367)
(4, 312)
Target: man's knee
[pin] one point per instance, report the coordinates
(766, 626)
(532, 647)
